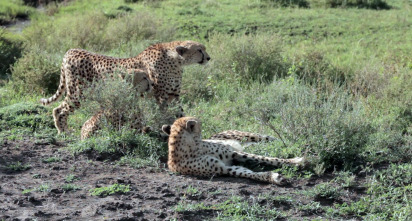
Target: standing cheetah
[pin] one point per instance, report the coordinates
(163, 63)
(189, 154)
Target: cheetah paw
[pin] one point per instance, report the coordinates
(298, 161)
(277, 179)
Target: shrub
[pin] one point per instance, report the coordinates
(95, 31)
(117, 96)
(132, 27)
(10, 51)
(247, 58)
(313, 68)
(290, 3)
(333, 127)
(114, 95)
(370, 4)
(10, 10)
(36, 72)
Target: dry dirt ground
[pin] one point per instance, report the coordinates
(154, 193)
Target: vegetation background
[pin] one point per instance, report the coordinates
(331, 79)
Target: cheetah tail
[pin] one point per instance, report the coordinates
(59, 92)
(242, 136)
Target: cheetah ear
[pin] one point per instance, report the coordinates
(191, 125)
(181, 50)
(166, 129)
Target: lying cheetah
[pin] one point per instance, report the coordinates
(163, 63)
(189, 154)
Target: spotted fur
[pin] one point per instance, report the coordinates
(189, 154)
(241, 136)
(163, 63)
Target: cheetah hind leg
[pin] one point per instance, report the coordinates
(211, 165)
(268, 176)
(91, 126)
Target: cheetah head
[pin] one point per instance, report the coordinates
(142, 82)
(193, 52)
(189, 128)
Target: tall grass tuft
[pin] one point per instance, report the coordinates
(247, 58)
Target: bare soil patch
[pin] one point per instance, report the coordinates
(154, 192)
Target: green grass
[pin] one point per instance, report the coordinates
(70, 187)
(43, 188)
(235, 208)
(27, 191)
(11, 10)
(52, 160)
(326, 191)
(18, 166)
(110, 190)
(70, 178)
(25, 119)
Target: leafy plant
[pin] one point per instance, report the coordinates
(70, 187)
(18, 166)
(27, 191)
(110, 190)
(43, 188)
(52, 160)
(326, 191)
(70, 178)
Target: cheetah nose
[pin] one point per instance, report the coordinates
(208, 58)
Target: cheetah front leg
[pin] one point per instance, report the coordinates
(209, 165)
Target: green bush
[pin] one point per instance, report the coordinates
(10, 51)
(136, 26)
(313, 68)
(246, 58)
(290, 3)
(36, 72)
(334, 127)
(95, 31)
(10, 10)
(370, 4)
(114, 95)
